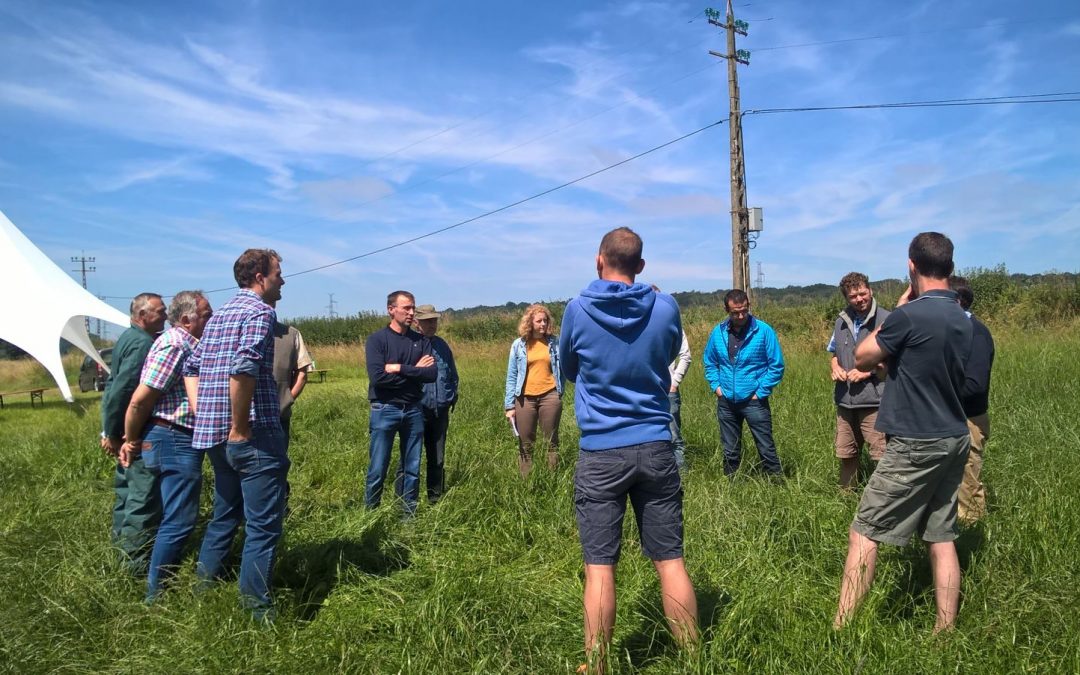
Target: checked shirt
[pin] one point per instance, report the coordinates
(238, 340)
(163, 371)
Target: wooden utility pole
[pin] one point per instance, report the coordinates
(82, 260)
(740, 237)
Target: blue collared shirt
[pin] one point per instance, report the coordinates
(238, 340)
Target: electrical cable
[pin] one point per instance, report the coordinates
(500, 209)
(500, 153)
(1061, 97)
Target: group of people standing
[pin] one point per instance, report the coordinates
(925, 367)
(743, 363)
(205, 387)
(911, 383)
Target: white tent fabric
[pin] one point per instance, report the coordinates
(43, 304)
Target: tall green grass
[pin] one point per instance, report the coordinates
(490, 579)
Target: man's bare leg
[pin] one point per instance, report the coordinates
(858, 575)
(946, 567)
(680, 601)
(599, 604)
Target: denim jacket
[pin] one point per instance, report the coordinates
(518, 366)
(443, 392)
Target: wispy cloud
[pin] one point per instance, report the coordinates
(206, 126)
(36, 98)
(182, 168)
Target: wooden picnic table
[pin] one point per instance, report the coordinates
(322, 373)
(35, 396)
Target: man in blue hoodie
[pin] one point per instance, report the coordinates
(743, 363)
(617, 340)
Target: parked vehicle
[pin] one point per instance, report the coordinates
(92, 375)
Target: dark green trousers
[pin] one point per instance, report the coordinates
(136, 515)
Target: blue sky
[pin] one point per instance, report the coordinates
(165, 138)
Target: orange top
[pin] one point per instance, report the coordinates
(538, 378)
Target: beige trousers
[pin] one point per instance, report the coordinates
(545, 409)
(972, 494)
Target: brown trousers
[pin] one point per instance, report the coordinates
(972, 494)
(545, 409)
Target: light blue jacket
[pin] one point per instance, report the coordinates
(518, 366)
(758, 367)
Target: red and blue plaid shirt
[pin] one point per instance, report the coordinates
(163, 371)
(238, 340)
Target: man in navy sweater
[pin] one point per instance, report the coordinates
(975, 397)
(399, 362)
(617, 340)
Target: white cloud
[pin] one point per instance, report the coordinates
(36, 98)
(183, 168)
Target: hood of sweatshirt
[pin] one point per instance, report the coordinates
(619, 308)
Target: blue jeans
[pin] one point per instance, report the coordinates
(389, 420)
(168, 455)
(677, 442)
(758, 416)
(249, 485)
(436, 424)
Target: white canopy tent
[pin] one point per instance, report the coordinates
(42, 304)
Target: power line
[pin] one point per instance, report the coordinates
(500, 153)
(505, 207)
(1063, 97)
(1000, 100)
(491, 110)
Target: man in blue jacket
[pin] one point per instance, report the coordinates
(743, 363)
(439, 399)
(617, 340)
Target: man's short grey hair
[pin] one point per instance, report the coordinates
(184, 303)
(141, 303)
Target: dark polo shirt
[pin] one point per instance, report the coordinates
(929, 340)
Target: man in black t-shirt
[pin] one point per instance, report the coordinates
(975, 397)
(927, 339)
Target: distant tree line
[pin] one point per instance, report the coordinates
(1020, 299)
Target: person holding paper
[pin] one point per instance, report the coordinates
(534, 386)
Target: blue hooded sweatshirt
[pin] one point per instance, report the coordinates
(616, 343)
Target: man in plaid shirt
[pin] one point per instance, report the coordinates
(158, 427)
(230, 381)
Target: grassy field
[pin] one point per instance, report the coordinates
(490, 579)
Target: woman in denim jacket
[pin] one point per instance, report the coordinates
(534, 386)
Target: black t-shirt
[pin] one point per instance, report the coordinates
(928, 340)
(976, 392)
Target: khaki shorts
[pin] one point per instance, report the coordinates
(913, 490)
(855, 426)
